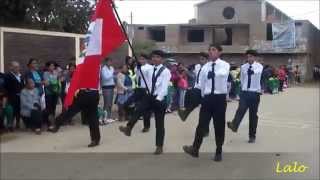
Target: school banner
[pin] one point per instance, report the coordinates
(284, 35)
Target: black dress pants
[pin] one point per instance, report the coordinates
(86, 102)
(137, 98)
(150, 104)
(213, 106)
(248, 100)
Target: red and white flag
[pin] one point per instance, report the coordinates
(104, 36)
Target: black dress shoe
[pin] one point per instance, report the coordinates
(182, 114)
(125, 130)
(231, 126)
(144, 130)
(158, 151)
(217, 157)
(93, 144)
(191, 151)
(252, 140)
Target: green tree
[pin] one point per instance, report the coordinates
(144, 46)
(59, 15)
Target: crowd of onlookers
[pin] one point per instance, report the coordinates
(33, 95)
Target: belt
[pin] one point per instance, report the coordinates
(108, 87)
(88, 89)
(253, 92)
(215, 94)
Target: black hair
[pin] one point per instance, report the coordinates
(71, 65)
(31, 60)
(49, 63)
(158, 52)
(191, 67)
(252, 52)
(205, 55)
(217, 46)
(107, 59)
(127, 59)
(144, 55)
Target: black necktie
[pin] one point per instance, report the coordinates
(139, 81)
(212, 76)
(249, 77)
(199, 75)
(153, 80)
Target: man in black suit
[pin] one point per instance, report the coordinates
(14, 85)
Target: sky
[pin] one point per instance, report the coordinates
(181, 11)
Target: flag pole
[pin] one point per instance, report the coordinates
(130, 44)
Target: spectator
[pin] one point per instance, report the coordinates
(131, 65)
(36, 75)
(65, 84)
(297, 75)
(182, 84)
(107, 84)
(191, 76)
(229, 87)
(281, 77)
(266, 75)
(30, 107)
(52, 92)
(14, 85)
(175, 94)
(66, 79)
(316, 72)
(235, 86)
(290, 74)
(124, 90)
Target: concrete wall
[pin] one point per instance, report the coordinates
(246, 12)
(240, 36)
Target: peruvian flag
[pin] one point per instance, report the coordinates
(104, 36)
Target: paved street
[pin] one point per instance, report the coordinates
(288, 131)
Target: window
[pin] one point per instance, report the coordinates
(195, 35)
(140, 28)
(157, 34)
(223, 36)
(269, 32)
(228, 12)
(228, 41)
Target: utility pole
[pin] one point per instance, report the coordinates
(130, 32)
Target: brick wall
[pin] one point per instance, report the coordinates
(21, 47)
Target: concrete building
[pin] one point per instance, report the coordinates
(237, 25)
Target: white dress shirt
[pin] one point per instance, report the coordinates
(107, 76)
(146, 69)
(255, 85)
(197, 68)
(162, 83)
(221, 71)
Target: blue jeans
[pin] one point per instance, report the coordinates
(108, 94)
